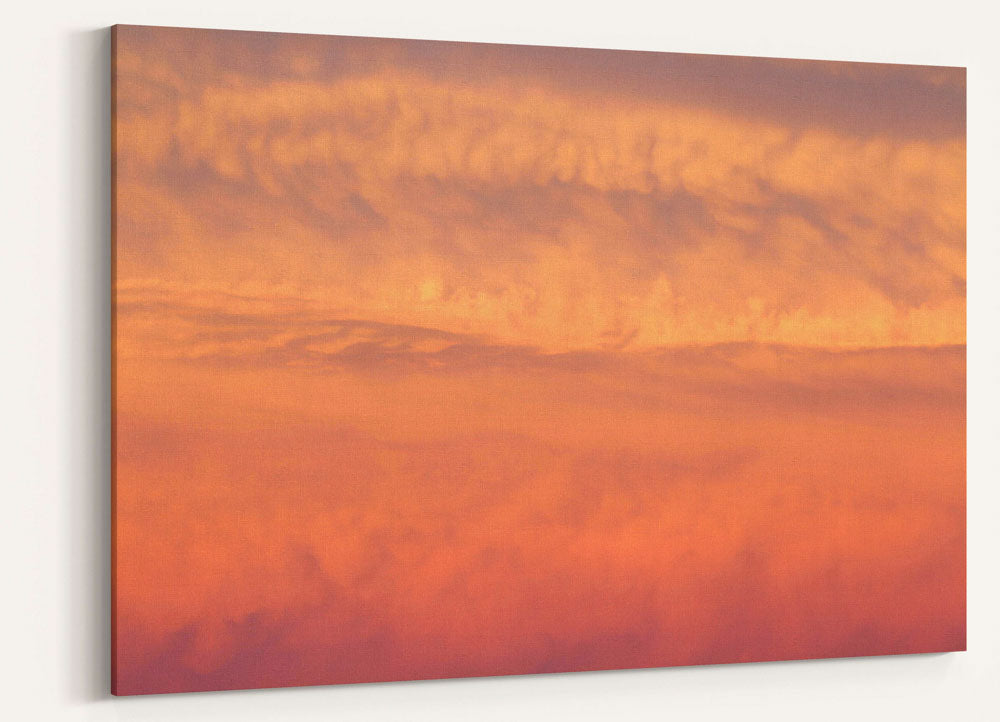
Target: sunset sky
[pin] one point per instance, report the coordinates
(446, 359)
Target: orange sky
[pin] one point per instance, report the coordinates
(441, 359)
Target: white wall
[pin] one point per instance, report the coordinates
(54, 282)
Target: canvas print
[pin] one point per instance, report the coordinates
(440, 359)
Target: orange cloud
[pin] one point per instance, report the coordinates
(711, 505)
(437, 359)
(534, 214)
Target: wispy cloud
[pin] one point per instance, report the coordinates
(527, 211)
(448, 359)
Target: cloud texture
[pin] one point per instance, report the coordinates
(546, 208)
(439, 359)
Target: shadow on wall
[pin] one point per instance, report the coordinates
(88, 137)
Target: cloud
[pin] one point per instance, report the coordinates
(218, 333)
(443, 360)
(534, 213)
(854, 98)
(488, 523)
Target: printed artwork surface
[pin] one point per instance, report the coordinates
(440, 359)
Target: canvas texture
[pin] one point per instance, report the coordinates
(440, 359)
